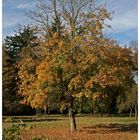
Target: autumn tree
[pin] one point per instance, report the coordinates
(128, 101)
(80, 64)
(73, 73)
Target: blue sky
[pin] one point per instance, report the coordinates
(124, 23)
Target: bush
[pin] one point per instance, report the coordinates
(12, 133)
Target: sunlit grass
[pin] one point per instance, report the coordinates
(89, 128)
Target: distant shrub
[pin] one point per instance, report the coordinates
(9, 119)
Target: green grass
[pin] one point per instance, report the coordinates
(54, 120)
(94, 127)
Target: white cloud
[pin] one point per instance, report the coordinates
(24, 6)
(15, 14)
(11, 20)
(124, 22)
(125, 17)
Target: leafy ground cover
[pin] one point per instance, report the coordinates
(89, 128)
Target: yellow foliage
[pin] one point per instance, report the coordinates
(75, 82)
(74, 65)
(56, 35)
(88, 84)
(98, 26)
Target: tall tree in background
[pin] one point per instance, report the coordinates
(8, 81)
(129, 100)
(12, 48)
(24, 36)
(11, 100)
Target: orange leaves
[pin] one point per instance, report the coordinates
(79, 95)
(96, 95)
(112, 66)
(99, 95)
(89, 84)
(55, 42)
(61, 44)
(84, 66)
(103, 14)
(75, 83)
(41, 70)
(56, 35)
(38, 99)
(90, 59)
(106, 80)
(98, 25)
(67, 67)
(29, 87)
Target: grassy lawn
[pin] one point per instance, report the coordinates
(88, 128)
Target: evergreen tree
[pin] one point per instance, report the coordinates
(23, 37)
(56, 26)
(12, 48)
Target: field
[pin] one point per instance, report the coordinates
(56, 127)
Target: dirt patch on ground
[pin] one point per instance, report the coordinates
(95, 132)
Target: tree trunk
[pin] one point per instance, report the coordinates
(130, 115)
(101, 114)
(136, 112)
(71, 114)
(48, 111)
(45, 109)
(72, 120)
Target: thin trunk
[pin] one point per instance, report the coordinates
(71, 115)
(72, 120)
(130, 115)
(101, 114)
(45, 109)
(48, 111)
(136, 112)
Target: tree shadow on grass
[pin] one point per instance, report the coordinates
(112, 128)
(40, 120)
(36, 120)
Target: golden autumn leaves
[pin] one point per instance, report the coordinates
(73, 69)
(74, 62)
